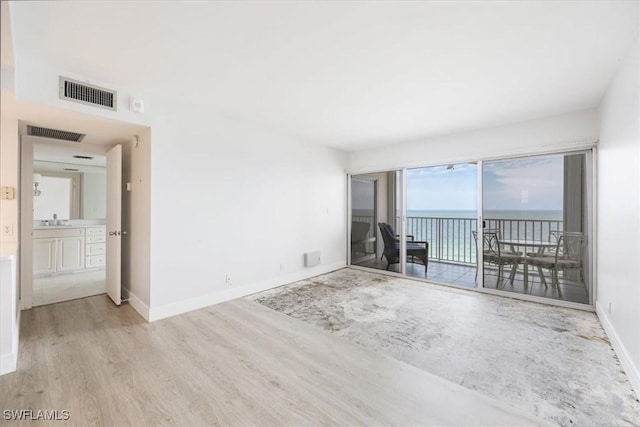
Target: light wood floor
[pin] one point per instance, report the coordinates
(236, 363)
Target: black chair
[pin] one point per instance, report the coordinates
(415, 249)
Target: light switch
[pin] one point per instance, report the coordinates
(7, 193)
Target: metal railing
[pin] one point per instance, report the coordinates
(451, 239)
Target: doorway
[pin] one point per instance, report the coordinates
(68, 222)
(74, 245)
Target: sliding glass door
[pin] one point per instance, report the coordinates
(536, 226)
(376, 220)
(530, 236)
(442, 217)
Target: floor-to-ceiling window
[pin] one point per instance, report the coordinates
(530, 236)
(536, 211)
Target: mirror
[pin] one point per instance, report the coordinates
(71, 191)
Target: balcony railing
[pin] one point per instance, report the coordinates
(451, 239)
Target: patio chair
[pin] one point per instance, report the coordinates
(415, 249)
(569, 253)
(493, 254)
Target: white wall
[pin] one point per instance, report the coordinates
(618, 221)
(231, 198)
(546, 134)
(226, 197)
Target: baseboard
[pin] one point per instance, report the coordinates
(136, 303)
(8, 363)
(173, 309)
(621, 351)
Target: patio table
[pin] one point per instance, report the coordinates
(539, 245)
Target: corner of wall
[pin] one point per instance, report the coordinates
(633, 374)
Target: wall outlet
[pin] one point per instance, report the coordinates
(7, 230)
(227, 280)
(281, 267)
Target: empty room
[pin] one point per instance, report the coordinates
(320, 213)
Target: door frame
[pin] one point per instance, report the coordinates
(26, 214)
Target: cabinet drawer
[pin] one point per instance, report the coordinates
(92, 231)
(96, 239)
(96, 249)
(96, 261)
(58, 232)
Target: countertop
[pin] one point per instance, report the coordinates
(54, 227)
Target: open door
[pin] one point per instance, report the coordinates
(114, 224)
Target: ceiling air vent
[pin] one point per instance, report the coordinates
(62, 135)
(73, 90)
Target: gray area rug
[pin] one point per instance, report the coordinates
(552, 362)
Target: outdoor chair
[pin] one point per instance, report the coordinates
(493, 254)
(415, 249)
(568, 255)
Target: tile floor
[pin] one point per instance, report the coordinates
(65, 287)
(463, 275)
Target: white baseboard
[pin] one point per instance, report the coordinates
(8, 363)
(136, 303)
(173, 309)
(623, 355)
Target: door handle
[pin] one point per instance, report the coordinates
(114, 233)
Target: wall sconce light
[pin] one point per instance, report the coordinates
(36, 183)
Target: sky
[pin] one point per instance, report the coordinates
(521, 184)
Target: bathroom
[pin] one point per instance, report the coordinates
(69, 211)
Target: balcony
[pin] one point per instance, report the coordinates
(453, 254)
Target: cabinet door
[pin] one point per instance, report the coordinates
(70, 253)
(44, 256)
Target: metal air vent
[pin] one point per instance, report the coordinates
(62, 135)
(73, 90)
(78, 156)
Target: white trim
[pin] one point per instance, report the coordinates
(136, 303)
(541, 150)
(173, 309)
(632, 371)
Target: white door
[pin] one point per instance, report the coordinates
(114, 224)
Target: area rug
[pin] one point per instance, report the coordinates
(552, 362)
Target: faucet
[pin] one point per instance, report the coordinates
(55, 219)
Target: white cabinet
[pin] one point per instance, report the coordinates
(66, 249)
(96, 240)
(70, 253)
(44, 256)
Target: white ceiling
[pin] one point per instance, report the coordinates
(345, 74)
